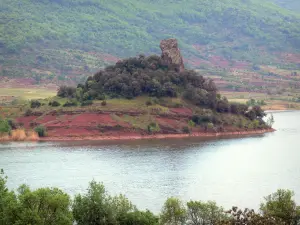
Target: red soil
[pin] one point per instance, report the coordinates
(182, 111)
(103, 126)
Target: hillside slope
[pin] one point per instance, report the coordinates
(289, 4)
(63, 41)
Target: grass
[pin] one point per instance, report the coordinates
(140, 122)
(27, 93)
(274, 102)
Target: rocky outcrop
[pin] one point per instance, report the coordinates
(171, 54)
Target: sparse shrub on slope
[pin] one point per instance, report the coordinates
(35, 104)
(4, 126)
(41, 131)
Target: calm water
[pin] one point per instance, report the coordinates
(230, 171)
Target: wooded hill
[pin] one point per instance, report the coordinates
(289, 4)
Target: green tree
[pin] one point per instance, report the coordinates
(204, 213)
(41, 130)
(44, 206)
(8, 202)
(140, 218)
(173, 212)
(4, 126)
(96, 207)
(281, 205)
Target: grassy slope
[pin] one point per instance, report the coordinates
(233, 28)
(57, 41)
(289, 4)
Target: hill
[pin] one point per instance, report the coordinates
(137, 98)
(53, 41)
(289, 4)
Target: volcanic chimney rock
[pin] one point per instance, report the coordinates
(171, 54)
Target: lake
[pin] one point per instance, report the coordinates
(231, 171)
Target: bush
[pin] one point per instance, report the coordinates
(66, 92)
(104, 103)
(210, 125)
(70, 103)
(28, 112)
(153, 127)
(191, 123)
(139, 218)
(4, 126)
(35, 104)
(186, 130)
(54, 103)
(12, 124)
(197, 119)
(41, 130)
(86, 103)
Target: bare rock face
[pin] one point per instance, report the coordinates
(171, 54)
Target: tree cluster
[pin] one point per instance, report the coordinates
(51, 206)
(142, 75)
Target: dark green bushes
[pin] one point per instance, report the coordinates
(86, 103)
(137, 76)
(66, 92)
(4, 126)
(54, 103)
(70, 103)
(35, 104)
(41, 130)
(153, 128)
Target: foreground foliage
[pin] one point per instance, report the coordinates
(51, 206)
(44, 206)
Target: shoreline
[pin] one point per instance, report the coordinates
(280, 110)
(157, 136)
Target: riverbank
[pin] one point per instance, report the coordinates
(158, 136)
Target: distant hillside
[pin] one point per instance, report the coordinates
(59, 41)
(289, 4)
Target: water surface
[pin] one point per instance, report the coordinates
(237, 171)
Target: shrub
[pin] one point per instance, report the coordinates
(12, 124)
(186, 129)
(210, 125)
(18, 135)
(86, 103)
(28, 112)
(4, 126)
(191, 123)
(70, 103)
(153, 127)
(201, 119)
(41, 130)
(35, 104)
(104, 103)
(54, 103)
(66, 92)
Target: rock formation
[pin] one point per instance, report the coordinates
(171, 54)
